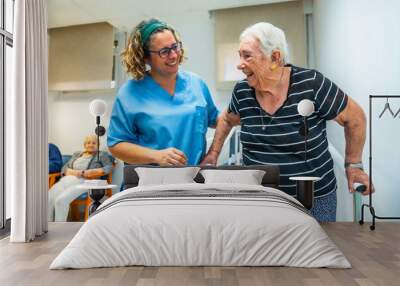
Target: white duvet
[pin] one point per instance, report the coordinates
(206, 230)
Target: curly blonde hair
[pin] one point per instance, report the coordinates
(135, 53)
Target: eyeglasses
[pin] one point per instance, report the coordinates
(165, 52)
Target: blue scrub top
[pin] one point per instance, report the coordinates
(146, 114)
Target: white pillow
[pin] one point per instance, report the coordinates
(249, 177)
(166, 176)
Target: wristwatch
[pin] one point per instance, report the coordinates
(358, 165)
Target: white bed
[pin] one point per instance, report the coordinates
(201, 224)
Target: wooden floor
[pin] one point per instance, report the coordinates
(374, 255)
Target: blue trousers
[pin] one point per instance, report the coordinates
(324, 209)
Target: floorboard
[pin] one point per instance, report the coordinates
(374, 255)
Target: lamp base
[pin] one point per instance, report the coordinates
(305, 190)
(96, 195)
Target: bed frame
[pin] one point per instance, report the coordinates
(270, 179)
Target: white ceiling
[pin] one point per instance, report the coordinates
(124, 14)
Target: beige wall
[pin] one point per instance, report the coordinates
(80, 57)
(229, 23)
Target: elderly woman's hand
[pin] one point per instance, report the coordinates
(72, 172)
(210, 159)
(355, 175)
(93, 173)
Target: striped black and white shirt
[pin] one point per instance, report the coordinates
(279, 142)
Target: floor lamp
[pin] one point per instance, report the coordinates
(305, 184)
(97, 108)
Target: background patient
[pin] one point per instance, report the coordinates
(82, 165)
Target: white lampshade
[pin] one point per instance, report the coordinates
(97, 107)
(305, 107)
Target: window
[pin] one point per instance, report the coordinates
(229, 23)
(6, 44)
(9, 15)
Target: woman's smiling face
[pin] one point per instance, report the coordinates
(253, 63)
(169, 64)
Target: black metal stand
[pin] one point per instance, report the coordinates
(305, 187)
(305, 193)
(100, 131)
(371, 208)
(96, 195)
(305, 190)
(304, 132)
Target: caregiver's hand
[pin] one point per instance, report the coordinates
(210, 159)
(171, 157)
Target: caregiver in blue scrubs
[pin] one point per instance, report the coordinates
(161, 115)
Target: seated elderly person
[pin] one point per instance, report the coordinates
(82, 165)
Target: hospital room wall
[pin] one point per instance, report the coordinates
(357, 44)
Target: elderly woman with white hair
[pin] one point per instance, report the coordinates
(265, 105)
(82, 165)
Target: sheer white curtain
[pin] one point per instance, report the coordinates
(26, 123)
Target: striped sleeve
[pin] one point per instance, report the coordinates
(234, 104)
(330, 100)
